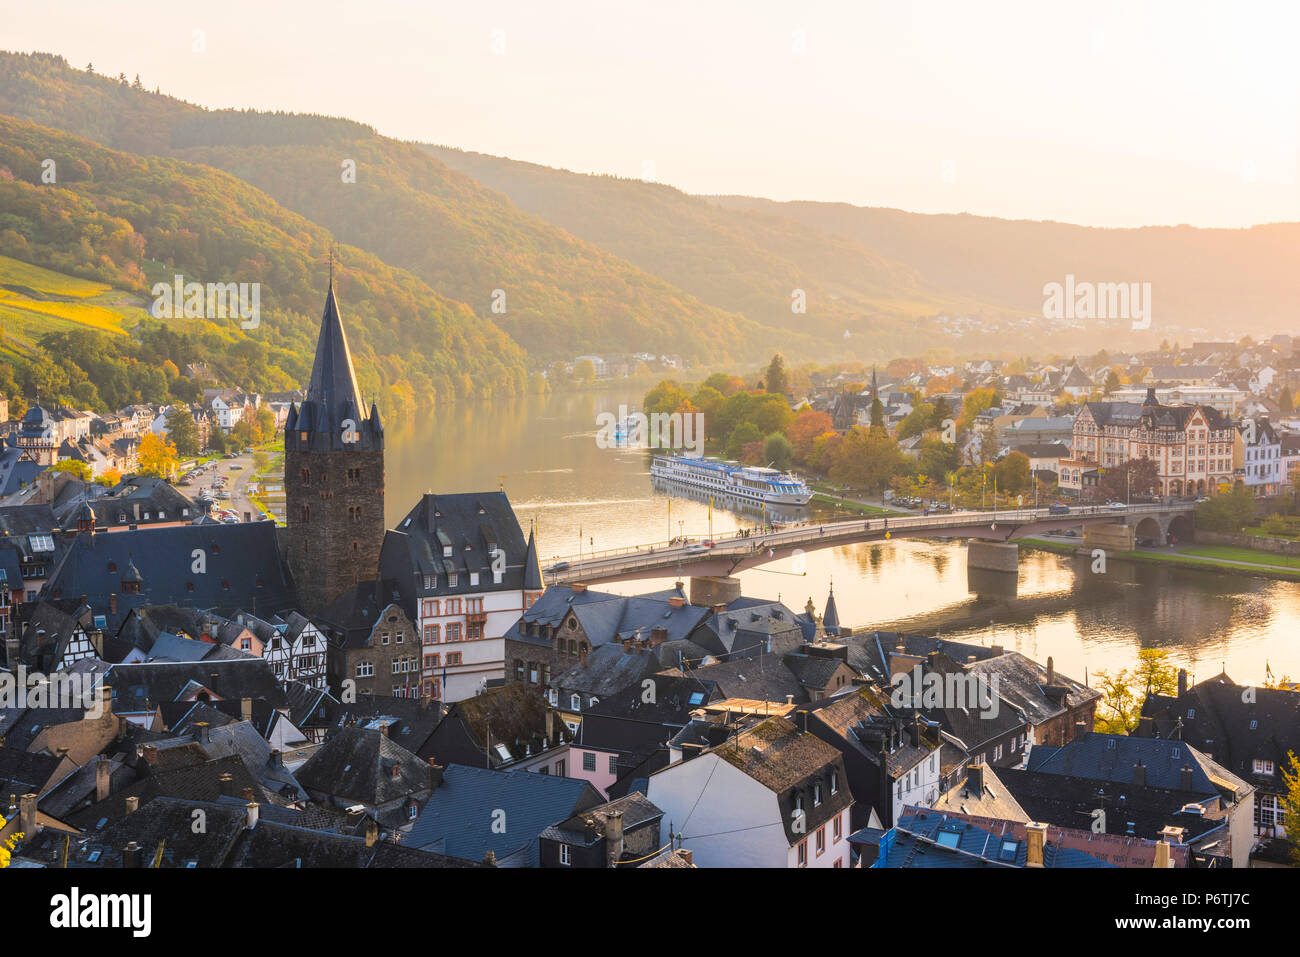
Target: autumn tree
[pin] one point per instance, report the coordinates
(73, 467)
(867, 459)
(1124, 692)
(1140, 476)
(1012, 473)
(156, 456)
(803, 432)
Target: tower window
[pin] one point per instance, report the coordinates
(304, 476)
(306, 513)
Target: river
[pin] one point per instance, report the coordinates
(543, 451)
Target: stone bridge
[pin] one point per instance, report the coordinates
(1105, 527)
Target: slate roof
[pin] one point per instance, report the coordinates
(18, 520)
(1212, 717)
(636, 808)
(1023, 683)
(932, 839)
(138, 499)
(980, 791)
(244, 569)
(142, 687)
(474, 525)
(457, 820)
(22, 770)
(764, 677)
(1112, 757)
(513, 717)
(607, 618)
(333, 396)
(356, 766)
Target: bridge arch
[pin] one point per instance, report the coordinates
(1181, 528)
(1150, 528)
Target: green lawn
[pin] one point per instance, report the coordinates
(1252, 555)
(858, 507)
(1194, 561)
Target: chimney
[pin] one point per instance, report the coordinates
(914, 729)
(1080, 729)
(397, 770)
(1174, 835)
(691, 750)
(578, 588)
(998, 651)
(1051, 671)
(676, 601)
(151, 754)
(490, 858)
(1187, 778)
(246, 709)
(13, 650)
(27, 816)
(112, 604)
(105, 700)
(276, 758)
(250, 814)
(627, 645)
(372, 832)
(582, 655)
(975, 778)
(103, 773)
(1036, 840)
(131, 855)
(1182, 682)
(687, 856)
(658, 636)
(613, 838)
(1139, 775)
(435, 775)
(227, 783)
(132, 804)
(201, 732)
(789, 701)
(719, 609)
(1163, 857)
(248, 794)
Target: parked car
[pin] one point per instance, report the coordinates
(1146, 543)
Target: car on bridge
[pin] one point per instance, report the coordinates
(1058, 509)
(1116, 506)
(558, 567)
(696, 549)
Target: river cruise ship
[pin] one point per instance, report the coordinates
(747, 482)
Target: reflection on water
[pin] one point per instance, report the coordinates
(544, 452)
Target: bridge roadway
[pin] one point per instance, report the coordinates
(736, 553)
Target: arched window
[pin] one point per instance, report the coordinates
(306, 513)
(304, 475)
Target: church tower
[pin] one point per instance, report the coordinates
(333, 475)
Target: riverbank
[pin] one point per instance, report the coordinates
(1234, 561)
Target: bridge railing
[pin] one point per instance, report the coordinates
(663, 553)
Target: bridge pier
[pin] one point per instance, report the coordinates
(993, 556)
(1111, 535)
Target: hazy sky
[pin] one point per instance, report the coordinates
(1102, 113)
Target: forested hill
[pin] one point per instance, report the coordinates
(132, 221)
(553, 293)
(741, 260)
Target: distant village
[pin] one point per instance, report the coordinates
(337, 693)
(1211, 417)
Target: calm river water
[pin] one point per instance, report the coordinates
(544, 452)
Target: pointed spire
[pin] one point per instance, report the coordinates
(532, 568)
(831, 616)
(333, 396)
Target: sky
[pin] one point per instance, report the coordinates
(1101, 113)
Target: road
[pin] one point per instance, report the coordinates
(744, 549)
(236, 471)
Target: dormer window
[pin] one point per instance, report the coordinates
(576, 702)
(817, 795)
(835, 782)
